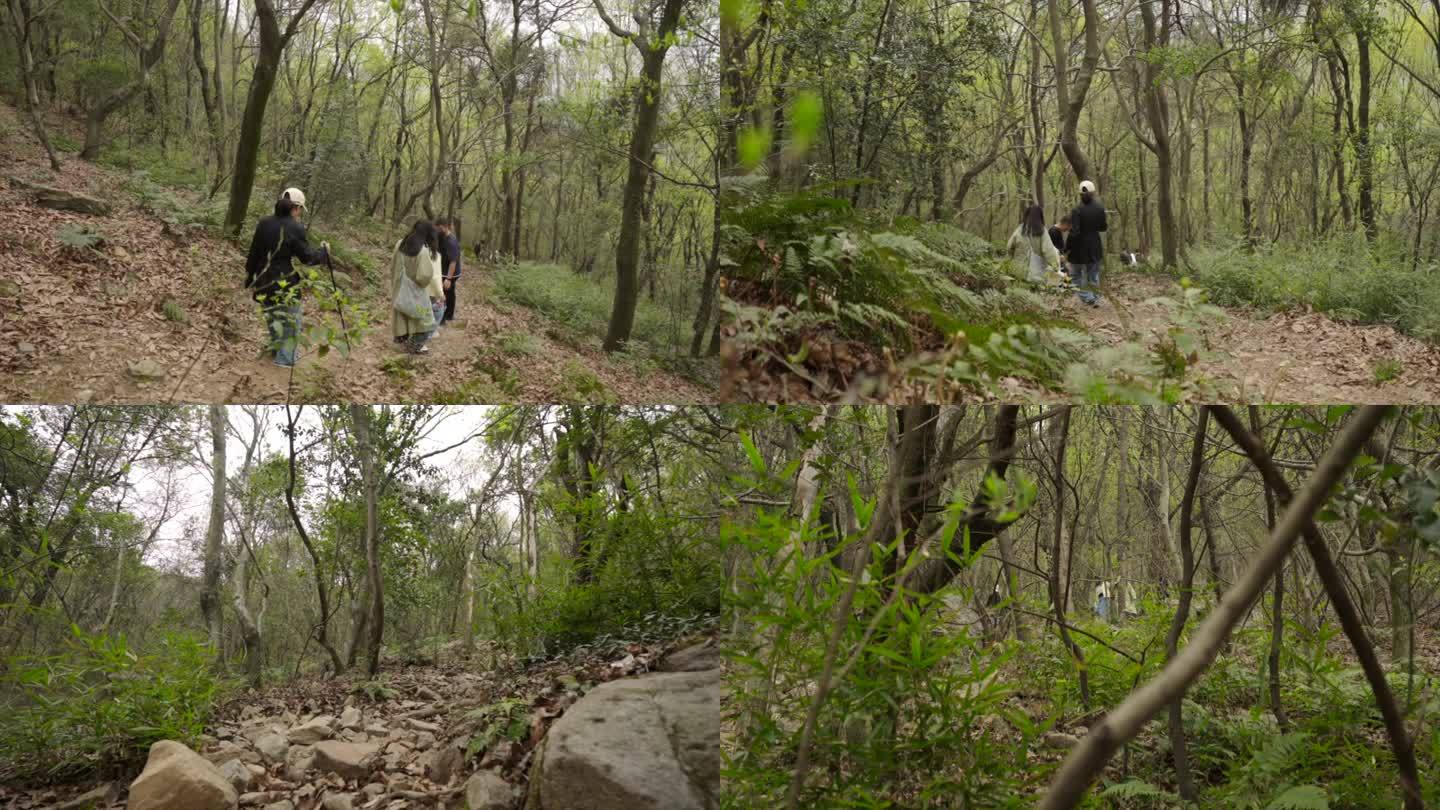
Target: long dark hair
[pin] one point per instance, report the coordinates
(422, 234)
(1034, 220)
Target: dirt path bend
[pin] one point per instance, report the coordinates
(1294, 356)
(90, 324)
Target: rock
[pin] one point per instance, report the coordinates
(443, 763)
(272, 745)
(320, 728)
(176, 778)
(1059, 739)
(696, 658)
(25, 348)
(646, 742)
(424, 741)
(338, 801)
(284, 804)
(421, 725)
(373, 789)
(427, 693)
(486, 790)
(95, 798)
(498, 755)
(351, 718)
(147, 369)
(300, 759)
(377, 729)
(238, 774)
(62, 200)
(225, 751)
(349, 760)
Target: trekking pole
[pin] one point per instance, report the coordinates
(329, 265)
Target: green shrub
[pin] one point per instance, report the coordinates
(581, 302)
(99, 704)
(1344, 276)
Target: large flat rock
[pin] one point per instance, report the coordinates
(646, 743)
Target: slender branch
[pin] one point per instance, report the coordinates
(1088, 758)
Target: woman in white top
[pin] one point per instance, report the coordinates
(1040, 252)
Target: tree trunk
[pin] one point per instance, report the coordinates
(653, 47)
(1059, 556)
(1277, 617)
(360, 419)
(1364, 156)
(149, 57)
(262, 82)
(1178, 748)
(22, 20)
(215, 532)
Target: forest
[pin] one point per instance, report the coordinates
(1085, 606)
(1266, 172)
(570, 144)
(360, 606)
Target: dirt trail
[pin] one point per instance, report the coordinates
(89, 324)
(1296, 356)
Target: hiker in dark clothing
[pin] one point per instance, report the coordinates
(1058, 234)
(1084, 248)
(271, 274)
(449, 265)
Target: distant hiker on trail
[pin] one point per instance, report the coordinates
(416, 262)
(269, 272)
(449, 266)
(1040, 252)
(1060, 238)
(1083, 247)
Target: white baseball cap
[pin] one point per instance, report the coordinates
(1086, 187)
(294, 195)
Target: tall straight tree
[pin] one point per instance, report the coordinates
(262, 82)
(652, 39)
(215, 533)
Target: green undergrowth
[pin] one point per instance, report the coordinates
(581, 305)
(1343, 276)
(1335, 753)
(98, 705)
(807, 271)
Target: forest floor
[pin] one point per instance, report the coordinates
(91, 324)
(1291, 356)
(423, 728)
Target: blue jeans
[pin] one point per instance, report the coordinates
(283, 325)
(437, 307)
(1085, 275)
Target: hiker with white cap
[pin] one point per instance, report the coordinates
(1083, 247)
(271, 274)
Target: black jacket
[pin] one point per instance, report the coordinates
(1087, 222)
(277, 241)
(449, 256)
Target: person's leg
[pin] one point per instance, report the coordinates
(450, 300)
(437, 311)
(1076, 272)
(1037, 269)
(418, 340)
(1092, 275)
(288, 345)
(272, 316)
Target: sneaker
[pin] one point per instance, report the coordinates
(283, 365)
(421, 350)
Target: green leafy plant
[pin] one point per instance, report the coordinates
(377, 689)
(100, 704)
(79, 236)
(173, 312)
(508, 719)
(1387, 370)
